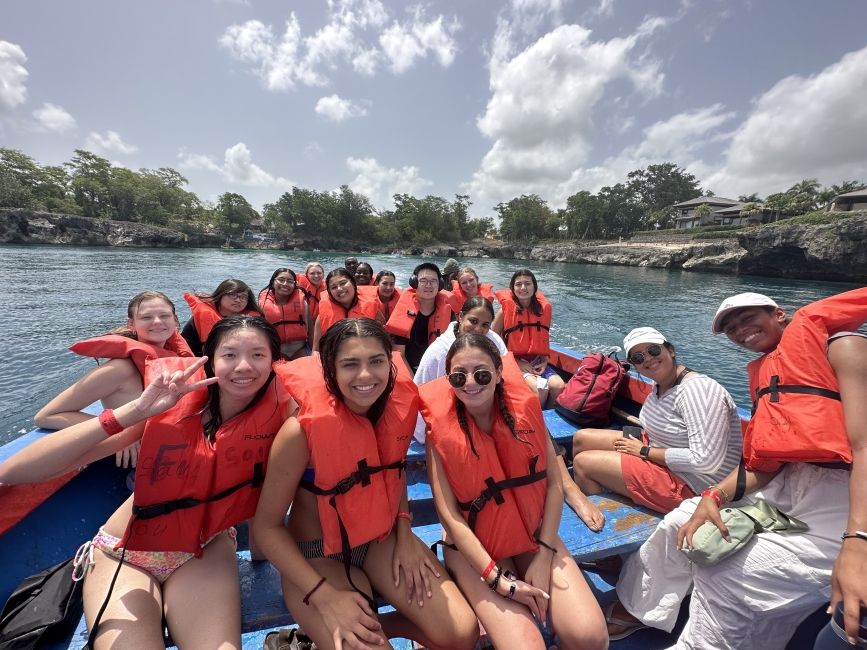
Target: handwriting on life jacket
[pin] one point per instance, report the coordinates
(174, 461)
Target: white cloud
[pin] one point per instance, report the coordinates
(109, 142)
(238, 167)
(54, 118)
(380, 183)
(678, 137)
(337, 109)
(352, 36)
(13, 76)
(404, 43)
(803, 127)
(540, 114)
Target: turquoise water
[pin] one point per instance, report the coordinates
(53, 296)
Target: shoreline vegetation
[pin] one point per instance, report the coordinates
(87, 201)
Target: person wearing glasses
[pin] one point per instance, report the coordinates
(498, 494)
(422, 313)
(285, 307)
(690, 437)
(230, 298)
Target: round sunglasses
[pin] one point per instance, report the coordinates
(482, 377)
(640, 357)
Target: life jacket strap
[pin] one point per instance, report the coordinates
(300, 321)
(494, 490)
(166, 507)
(521, 326)
(361, 476)
(774, 388)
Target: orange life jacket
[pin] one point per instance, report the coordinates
(407, 308)
(387, 308)
(115, 346)
(188, 489)
(458, 297)
(359, 466)
(797, 412)
(501, 489)
(525, 333)
(288, 318)
(205, 315)
(311, 294)
(330, 311)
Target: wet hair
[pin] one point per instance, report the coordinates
(219, 332)
(282, 269)
(329, 348)
(341, 273)
(474, 303)
(368, 266)
(133, 307)
(535, 305)
(232, 286)
(483, 343)
(382, 274)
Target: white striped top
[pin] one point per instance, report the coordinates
(698, 425)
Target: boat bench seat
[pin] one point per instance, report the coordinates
(626, 527)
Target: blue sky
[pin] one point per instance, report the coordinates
(490, 99)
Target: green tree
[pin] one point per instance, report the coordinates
(583, 216)
(660, 186)
(91, 180)
(234, 214)
(523, 218)
(621, 213)
(749, 198)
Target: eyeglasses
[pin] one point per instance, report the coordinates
(640, 357)
(482, 377)
(237, 296)
(428, 282)
(284, 281)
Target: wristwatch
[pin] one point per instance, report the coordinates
(644, 452)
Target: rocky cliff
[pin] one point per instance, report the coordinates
(835, 251)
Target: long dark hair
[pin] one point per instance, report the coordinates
(220, 331)
(329, 347)
(342, 273)
(474, 303)
(232, 286)
(535, 305)
(132, 309)
(483, 343)
(270, 288)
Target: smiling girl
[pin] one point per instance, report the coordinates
(285, 307)
(341, 300)
(230, 298)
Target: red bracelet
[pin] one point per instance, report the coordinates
(306, 599)
(109, 423)
(488, 570)
(404, 515)
(713, 494)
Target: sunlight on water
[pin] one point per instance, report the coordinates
(54, 296)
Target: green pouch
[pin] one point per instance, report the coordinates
(709, 547)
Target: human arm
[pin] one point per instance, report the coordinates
(848, 358)
(345, 613)
(317, 335)
(468, 544)
(87, 441)
(497, 323)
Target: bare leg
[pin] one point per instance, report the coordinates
(203, 599)
(597, 471)
(586, 510)
(586, 439)
(133, 617)
(444, 622)
(555, 387)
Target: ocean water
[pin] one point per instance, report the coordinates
(53, 296)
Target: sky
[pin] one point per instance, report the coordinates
(477, 97)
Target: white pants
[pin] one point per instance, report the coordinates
(758, 596)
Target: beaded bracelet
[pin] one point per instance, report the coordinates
(306, 599)
(496, 582)
(860, 534)
(109, 422)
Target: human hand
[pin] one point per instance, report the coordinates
(538, 574)
(531, 597)
(418, 566)
(631, 446)
(846, 585)
(348, 618)
(167, 388)
(539, 364)
(128, 456)
(707, 510)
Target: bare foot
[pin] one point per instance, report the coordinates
(586, 510)
(620, 621)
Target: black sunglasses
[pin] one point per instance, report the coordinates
(459, 379)
(640, 357)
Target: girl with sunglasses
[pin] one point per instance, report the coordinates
(347, 535)
(230, 298)
(483, 423)
(690, 439)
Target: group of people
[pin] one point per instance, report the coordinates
(232, 420)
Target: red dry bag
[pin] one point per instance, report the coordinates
(586, 400)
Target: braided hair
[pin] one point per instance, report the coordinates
(483, 343)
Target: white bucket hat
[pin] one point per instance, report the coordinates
(642, 335)
(739, 301)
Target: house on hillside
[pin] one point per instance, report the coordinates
(849, 201)
(685, 216)
(731, 216)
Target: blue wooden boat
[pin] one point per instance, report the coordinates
(43, 524)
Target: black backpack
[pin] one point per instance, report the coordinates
(44, 608)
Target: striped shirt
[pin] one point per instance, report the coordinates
(698, 425)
